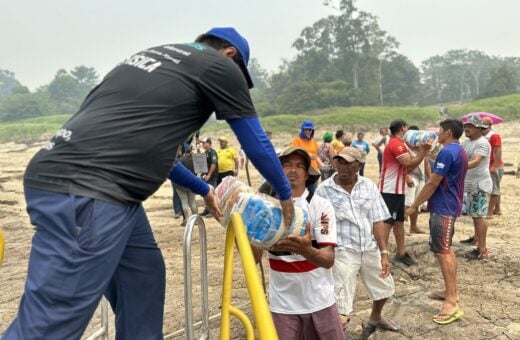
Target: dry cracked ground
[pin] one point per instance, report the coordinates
(489, 290)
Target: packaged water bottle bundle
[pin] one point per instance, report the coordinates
(261, 214)
(416, 137)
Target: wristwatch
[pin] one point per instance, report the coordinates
(384, 252)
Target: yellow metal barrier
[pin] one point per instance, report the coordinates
(262, 315)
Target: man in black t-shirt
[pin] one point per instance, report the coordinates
(84, 188)
(212, 159)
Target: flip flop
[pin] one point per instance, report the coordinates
(446, 319)
(386, 325)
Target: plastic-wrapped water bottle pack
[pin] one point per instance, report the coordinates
(416, 137)
(261, 214)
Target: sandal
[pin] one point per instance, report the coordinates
(446, 319)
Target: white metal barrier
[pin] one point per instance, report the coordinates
(102, 333)
(188, 305)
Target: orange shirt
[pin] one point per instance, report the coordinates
(310, 146)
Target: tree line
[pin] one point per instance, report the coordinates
(63, 95)
(345, 59)
(348, 59)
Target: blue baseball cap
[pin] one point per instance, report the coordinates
(230, 35)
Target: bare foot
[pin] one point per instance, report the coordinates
(416, 230)
(439, 295)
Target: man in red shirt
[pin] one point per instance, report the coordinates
(496, 167)
(396, 164)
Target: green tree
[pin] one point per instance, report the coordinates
(8, 82)
(259, 75)
(86, 76)
(503, 81)
(68, 90)
(19, 106)
(400, 81)
(457, 75)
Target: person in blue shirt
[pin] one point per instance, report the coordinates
(363, 146)
(445, 190)
(84, 189)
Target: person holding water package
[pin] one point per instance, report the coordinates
(84, 189)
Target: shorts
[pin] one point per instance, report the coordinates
(410, 194)
(441, 232)
(347, 265)
(497, 178)
(478, 202)
(395, 204)
(323, 324)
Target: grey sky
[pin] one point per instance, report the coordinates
(38, 37)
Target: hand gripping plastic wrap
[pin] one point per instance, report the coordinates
(261, 214)
(416, 137)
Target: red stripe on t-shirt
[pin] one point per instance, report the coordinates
(291, 267)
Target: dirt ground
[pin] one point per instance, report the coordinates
(489, 290)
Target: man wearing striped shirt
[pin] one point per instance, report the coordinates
(301, 286)
(362, 238)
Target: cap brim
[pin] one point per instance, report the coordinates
(347, 158)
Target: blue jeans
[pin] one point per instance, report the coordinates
(82, 249)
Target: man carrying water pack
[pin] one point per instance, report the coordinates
(84, 189)
(301, 286)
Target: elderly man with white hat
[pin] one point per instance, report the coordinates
(360, 214)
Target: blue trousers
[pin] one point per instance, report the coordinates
(82, 249)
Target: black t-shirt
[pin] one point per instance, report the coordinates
(122, 142)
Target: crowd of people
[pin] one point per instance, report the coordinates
(413, 178)
(84, 192)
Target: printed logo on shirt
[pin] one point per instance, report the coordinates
(440, 165)
(63, 134)
(143, 62)
(196, 46)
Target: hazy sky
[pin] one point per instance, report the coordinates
(38, 37)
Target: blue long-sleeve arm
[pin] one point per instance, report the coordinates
(260, 151)
(184, 177)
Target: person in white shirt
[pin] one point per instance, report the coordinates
(379, 144)
(301, 286)
(477, 184)
(362, 239)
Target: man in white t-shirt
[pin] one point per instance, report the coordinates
(478, 184)
(379, 144)
(301, 285)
